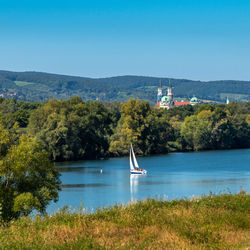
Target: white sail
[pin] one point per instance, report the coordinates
(135, 161)
(130, 161)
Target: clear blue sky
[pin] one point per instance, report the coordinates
(203, 39)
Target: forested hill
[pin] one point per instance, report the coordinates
(37, 86)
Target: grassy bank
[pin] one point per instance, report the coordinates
(210, 222)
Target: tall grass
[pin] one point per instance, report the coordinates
(214, 222)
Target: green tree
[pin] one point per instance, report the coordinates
(203, 131)
(197, 130)
(144, 126)
(241, 131)
(28, 180)
(21, 116)
(188, 130)
(12, 111)
(223, 134)
(72, 129)
(4, 141)
(177, 143)
(248, 119)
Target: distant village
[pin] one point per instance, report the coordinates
(5, 93)
(167, 101)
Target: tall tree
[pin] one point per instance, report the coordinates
(28, 180)
(197, 129)
(144, 126)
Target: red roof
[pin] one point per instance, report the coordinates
(181, 103)
(157, 104)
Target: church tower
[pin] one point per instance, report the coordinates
(170, 93)
(159, 95)
(165, 101)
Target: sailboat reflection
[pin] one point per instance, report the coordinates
(134, 182)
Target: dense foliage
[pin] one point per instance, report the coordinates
(12, 111)
(36, 86)
(145, 127)
(181, 129)
(217, 127)
(28, 180)
(73, 129)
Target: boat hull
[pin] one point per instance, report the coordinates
(138, 171)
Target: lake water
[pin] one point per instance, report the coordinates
(172, 176)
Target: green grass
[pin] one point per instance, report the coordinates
(22, 83)
(211, 222)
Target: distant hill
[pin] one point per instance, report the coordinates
(37, 86)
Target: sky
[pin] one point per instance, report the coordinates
(191, 39)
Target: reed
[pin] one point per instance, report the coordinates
(214, 222)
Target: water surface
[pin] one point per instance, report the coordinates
(107, 182)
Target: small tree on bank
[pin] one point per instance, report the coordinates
(28, 180)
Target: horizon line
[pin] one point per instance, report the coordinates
(125, 75)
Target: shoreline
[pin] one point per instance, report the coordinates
(152, 155)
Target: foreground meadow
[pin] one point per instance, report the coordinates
(217, 222)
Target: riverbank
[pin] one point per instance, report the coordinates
(210, 222)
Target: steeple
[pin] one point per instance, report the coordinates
(170, 93)
(159, 95)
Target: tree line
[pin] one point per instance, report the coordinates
(73, 129)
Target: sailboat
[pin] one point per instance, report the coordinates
(134, 167)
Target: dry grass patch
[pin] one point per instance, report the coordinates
(109, 233)
(61, 234)
(167, 239)
(233, 238)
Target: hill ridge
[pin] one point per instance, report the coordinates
(39, 86)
